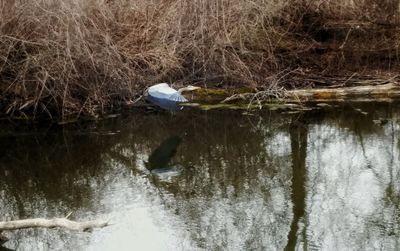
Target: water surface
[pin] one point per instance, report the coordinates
(327, 179)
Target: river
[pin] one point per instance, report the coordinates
(325, 179)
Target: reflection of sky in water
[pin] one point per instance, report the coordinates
(347, 180)
(226, 219)
(236, 195)
(140, 220)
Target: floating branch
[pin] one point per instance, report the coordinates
(51, 223)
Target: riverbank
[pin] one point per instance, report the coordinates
(88, 58)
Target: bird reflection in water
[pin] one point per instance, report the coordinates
(159, 160)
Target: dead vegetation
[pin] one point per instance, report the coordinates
(69, 58)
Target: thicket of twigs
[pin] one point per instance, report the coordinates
(75, 57)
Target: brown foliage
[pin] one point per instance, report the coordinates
(85, 56)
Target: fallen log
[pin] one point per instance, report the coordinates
(362, 93)
(367, 92)
(52, 223)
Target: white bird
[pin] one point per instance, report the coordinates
(166, 97)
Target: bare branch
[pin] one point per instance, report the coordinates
(51, 223)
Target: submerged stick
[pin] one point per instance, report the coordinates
(51, 223)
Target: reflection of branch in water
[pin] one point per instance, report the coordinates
(390, 189)
(381, 220)
(6, 249)
(367, 160)
(392, 196)
(361, 138)
(298, 138)
(3, 239)
(126, 161)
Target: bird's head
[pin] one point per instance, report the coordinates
(191, 88)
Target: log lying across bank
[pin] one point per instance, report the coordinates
(357, 93)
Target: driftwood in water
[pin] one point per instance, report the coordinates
(367, 92)
(48, 223)
(51, 223)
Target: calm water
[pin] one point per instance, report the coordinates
(322, 180)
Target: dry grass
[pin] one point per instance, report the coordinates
(76, 57)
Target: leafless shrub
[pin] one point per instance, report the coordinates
(85, 56)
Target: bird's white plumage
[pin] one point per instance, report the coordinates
(163, 88)
(178, 97)
(165, 92)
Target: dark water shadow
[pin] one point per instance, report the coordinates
(162, 155)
